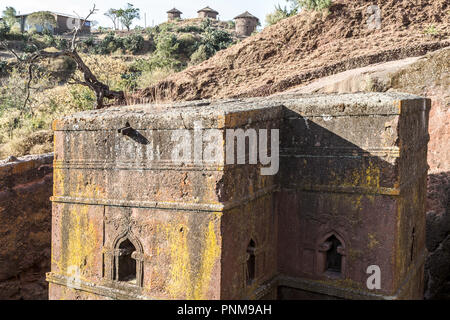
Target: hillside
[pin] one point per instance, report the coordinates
(308, 46)
(122, 60)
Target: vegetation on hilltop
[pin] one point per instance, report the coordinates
(124, 61)
(295, 6)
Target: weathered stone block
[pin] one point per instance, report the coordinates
(129, 222)
(25, 215)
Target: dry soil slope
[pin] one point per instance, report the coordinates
(308, 46)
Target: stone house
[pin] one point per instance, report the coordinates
(64, 23)
(174, 14)
(207, 12)
(246, 24)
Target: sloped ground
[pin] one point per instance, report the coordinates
(308, 46)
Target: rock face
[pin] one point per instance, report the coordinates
(25, 220)
(141, 210)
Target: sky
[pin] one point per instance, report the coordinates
(154, 10)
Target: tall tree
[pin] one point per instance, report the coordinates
(45, 19)
(9, 16)
(113, 14)
(128, 14)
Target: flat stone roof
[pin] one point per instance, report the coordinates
(180, 115)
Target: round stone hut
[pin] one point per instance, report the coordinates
(207, 13)
(174, 14)
(246, 24)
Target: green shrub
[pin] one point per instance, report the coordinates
(200, 55)
(109, 44)
(187, 44)
(431, 30)
(190, 29)
(167, 45)
(29, 48)
(89, 42)
(3, 66)
(133, 43)
(62, 43)
(165, 57)
(315, 4)
(215, 40)
(48, 39)
(82, 98)
(4, 30)
(166, 27)
(279, 14)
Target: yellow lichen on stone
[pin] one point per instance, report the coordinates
(180, 285)
(372, 241)
(81, 242)
(373, 176)
(209, 258)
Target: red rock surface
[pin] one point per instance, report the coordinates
(25, 223)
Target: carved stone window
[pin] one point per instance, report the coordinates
(127, 264)
(331, 256)
(334, 258)
(127, 261)
(250, 263)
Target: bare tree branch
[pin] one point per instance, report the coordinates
(5, 45)
(80, 26)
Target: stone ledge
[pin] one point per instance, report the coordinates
(177, 206)
(350, 293)
(232, 113)
(24, 164)
(78, 284)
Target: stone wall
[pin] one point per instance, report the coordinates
(425, 76)
(437, 272)
(352, 168)
(189, 222)
(245, 27)
(25, 220)
(356, 170)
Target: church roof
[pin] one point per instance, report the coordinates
(246, 15)
(208, 9)
(174, 10)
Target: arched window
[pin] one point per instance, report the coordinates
(251, 262)
(126, 261)
(331, 256)
(334, 258)
(127, 264)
